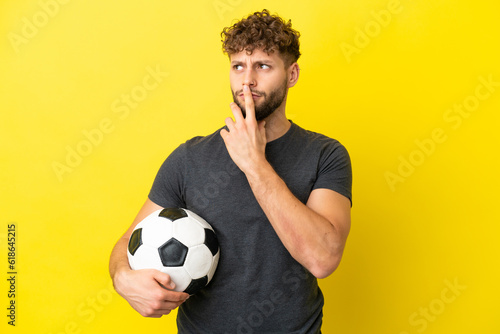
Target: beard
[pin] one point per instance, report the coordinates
(268, 105)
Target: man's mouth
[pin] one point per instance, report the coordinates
(253, 95)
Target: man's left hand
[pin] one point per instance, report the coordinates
(246, 139)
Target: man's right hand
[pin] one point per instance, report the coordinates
(148, 291)
(144, 292)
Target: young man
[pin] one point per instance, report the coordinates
(278, 197)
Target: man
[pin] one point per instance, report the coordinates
(278, 197)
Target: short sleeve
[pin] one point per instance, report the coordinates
(334, 170)
(167, 188)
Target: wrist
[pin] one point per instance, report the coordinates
(120, 277)
(259, 172)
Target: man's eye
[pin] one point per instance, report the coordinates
(237, 67)
(264, 66)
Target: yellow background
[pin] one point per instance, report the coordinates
(408, 239)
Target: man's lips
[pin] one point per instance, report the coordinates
(253, 95)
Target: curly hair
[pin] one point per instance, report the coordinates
(262, 31)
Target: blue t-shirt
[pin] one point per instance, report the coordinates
(258, 287)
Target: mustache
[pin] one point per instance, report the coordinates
(239, 92)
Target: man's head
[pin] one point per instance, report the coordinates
(263, 51)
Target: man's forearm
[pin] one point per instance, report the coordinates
(118, 259)
(310, 238)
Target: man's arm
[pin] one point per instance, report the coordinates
(141, 288)
(315, 234)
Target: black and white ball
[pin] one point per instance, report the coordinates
(179, 243)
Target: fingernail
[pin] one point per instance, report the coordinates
(245, 88)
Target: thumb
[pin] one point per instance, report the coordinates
(164, 280)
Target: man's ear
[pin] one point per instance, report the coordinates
(293, 74)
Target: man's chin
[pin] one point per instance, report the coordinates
(262, 110)
(259, 114)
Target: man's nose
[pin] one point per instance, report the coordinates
(250, 79)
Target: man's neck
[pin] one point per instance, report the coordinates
(276, 125)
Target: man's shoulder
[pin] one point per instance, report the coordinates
(314, 137)
(202, 141)
(203, 146)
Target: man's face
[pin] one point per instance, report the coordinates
(266, 76)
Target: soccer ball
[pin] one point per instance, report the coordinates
(179, 243)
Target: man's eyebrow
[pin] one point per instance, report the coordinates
(259, 61)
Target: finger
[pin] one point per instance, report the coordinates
(170, 300)
(166, 307)
(170, 295)
(164, 280)
(169, 306)
(229, 123)
(176, 297)
(249, 103)
(224, 133)
(238, 115)
(158, 313)
(154, 311)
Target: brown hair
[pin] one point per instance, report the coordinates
(262, 31)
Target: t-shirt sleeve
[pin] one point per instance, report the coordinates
(335, 170)
(167, 188)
